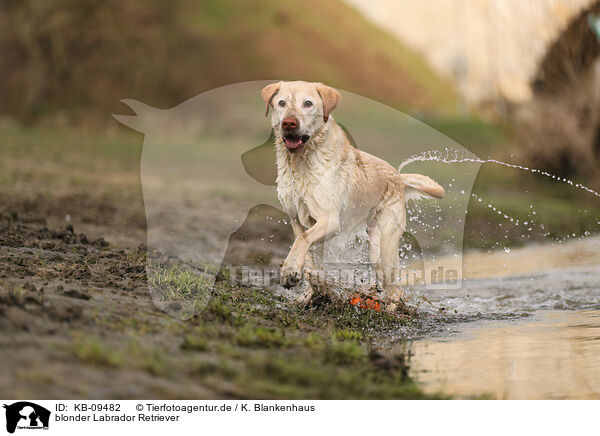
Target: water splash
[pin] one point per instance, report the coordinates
(447, 158)
(529, 224)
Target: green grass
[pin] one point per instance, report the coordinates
(254, 344)
(314, 359)
(555, 218)
(48, 163)
(266, 346)
(479, 137)
(177, 283)
(69, 145)
(93, 351)
(261, 337)
(132, 355)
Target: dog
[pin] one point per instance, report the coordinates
(327, 186)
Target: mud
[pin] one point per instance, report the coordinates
(53, 284)
(77, 320)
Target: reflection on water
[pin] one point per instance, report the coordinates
(527, 330)
(551, 355)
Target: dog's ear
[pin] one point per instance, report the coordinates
(330, 99)
(268, 92)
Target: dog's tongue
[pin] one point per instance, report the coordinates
(292, 142)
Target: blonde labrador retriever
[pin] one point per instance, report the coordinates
(327, 186)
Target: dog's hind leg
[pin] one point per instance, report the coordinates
(304, 298)
(375, 253)
(391, 222)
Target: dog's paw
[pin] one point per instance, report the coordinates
(290, 281)
(289, 277)
(393, 299)
(304, 298)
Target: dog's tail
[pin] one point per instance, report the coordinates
(419, 186)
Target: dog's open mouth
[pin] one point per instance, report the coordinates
(295, 142)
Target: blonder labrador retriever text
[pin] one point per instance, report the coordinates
(327, 186)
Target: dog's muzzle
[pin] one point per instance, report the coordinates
(294, 142)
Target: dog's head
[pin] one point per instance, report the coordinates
(300, 109)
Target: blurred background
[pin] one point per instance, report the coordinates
(513, 81)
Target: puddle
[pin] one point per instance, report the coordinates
(530, 330)
(550, 355)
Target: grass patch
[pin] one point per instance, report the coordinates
(133, 355)
(250, 343)
(346, 352)
(267, 348)
(93, 351)
(262, 337)
(195, 341)
(178, 283)
(477, 136)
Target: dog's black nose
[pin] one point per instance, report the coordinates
(289, 123)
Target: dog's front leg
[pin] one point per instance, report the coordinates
(325, 227)
(304, 298)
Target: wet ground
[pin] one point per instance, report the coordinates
(77, 321)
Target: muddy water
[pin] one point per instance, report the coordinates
(527, 331)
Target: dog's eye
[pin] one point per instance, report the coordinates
(307, 103)
(281, 103)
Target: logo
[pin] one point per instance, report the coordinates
(26, 415)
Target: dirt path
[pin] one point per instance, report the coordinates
(58, 289)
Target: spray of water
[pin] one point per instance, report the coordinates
(449, 158)
(529, 224)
